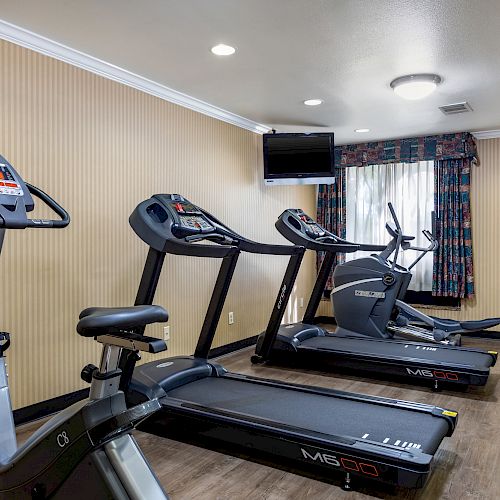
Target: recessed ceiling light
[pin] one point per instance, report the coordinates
(415, 86)
(362, 130)
(223, 50)
(313, 102)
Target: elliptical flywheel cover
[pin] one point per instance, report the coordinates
(389, 279)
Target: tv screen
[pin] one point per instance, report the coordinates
(298, 158)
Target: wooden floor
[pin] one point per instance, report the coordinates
(467, 466)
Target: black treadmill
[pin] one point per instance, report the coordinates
(301, 427)
(306, 344)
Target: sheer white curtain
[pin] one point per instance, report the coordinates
(410, 188)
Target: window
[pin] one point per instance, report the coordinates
(410, 188)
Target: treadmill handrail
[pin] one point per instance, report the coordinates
(157, 233)
(250, 246)
(363, 247)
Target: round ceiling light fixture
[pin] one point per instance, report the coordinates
(223, 50)
(313, 102)
(414, 87)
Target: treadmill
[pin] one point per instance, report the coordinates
(306, 344)
(307, 429)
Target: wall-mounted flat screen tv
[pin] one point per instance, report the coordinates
(299, 158)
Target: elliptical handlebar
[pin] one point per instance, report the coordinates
(434, 244)
(399, 237)
(53, 205)
(430, 236)
(401, 241)
(394, 217)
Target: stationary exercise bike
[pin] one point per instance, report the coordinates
(368, 296)
(87, 450)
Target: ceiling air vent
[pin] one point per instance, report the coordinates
(454, 109)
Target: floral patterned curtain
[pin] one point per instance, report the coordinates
(432, 147)
(453, 154)
(453, 274)
(331, 213)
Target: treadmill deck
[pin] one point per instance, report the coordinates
(316, 412)
(456, 357)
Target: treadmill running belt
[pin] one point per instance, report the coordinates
(389, 348)
(319, 413)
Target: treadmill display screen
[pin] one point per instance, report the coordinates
(188, 207)
(5, 173)
(8, 184)
(194, 222)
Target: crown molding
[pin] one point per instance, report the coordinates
(43, 45)
(487, 134)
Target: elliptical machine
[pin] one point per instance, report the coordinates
(409, 316)
(87, 450)
(376, 308)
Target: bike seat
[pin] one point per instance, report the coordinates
(100, 320)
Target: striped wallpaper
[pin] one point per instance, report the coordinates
(99, 148)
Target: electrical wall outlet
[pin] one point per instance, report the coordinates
(166, 333)
(301, 302)
(230, 318)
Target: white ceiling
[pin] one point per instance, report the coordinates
(345, 52)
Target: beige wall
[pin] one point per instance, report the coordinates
(100, 148)
(485, 206)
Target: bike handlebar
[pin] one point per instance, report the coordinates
(53, 205)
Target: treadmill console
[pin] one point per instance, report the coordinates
(305, 223)
(296, 226)
(187, 218)
(12, 188)
(170, 223)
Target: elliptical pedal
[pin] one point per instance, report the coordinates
(422, 333)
